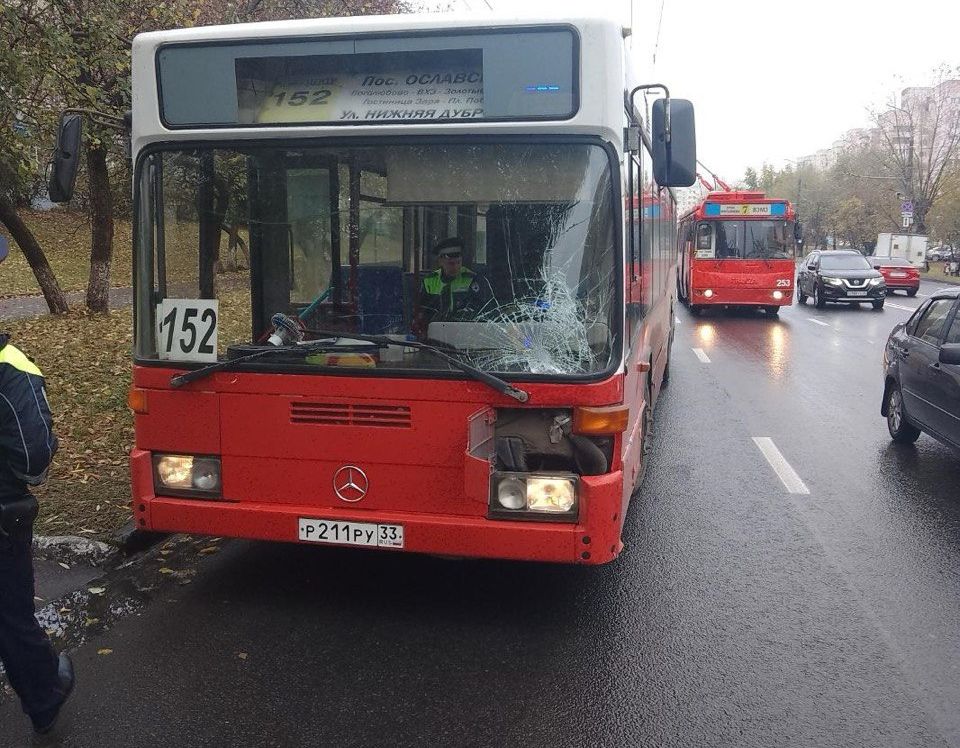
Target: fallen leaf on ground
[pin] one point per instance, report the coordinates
(242, 655)
(104, 651)
(96, 590)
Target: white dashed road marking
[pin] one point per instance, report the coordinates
(817, 322)
(701, 355)
(788, 476)
(899, 306)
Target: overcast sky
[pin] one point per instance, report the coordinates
(772, 81)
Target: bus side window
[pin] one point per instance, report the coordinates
(705, 240)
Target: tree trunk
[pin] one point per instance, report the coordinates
(22, 235)
(101, 234)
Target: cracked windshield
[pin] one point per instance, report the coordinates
(500, 254)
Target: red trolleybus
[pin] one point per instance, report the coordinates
(385, 292)
(737, 249)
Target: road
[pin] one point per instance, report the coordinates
(747, 609)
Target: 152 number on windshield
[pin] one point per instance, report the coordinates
(299, 98)
(187, 329)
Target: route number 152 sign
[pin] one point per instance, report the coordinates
(187, 329)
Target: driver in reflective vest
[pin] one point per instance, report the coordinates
(451, 287)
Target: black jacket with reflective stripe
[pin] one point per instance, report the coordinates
(27, 442)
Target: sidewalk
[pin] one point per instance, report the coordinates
(21, 307)
(936, 274)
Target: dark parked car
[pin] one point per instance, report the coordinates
(922, 370)
(839, 275)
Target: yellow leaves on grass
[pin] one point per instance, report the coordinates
(86, 361)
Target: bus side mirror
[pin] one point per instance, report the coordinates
(674, 143)
(66, 159)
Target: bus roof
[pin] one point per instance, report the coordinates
(349, 25)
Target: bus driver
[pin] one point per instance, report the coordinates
(452, 288)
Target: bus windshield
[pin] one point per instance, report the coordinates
(504, 254)
(754, 240)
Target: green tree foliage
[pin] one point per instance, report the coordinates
(750, 179)
(26, 127)
(56, 54)
(944, 219)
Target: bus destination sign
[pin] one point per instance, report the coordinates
(745, 209)
(451, 93)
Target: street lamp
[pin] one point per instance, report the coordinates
(799, 184)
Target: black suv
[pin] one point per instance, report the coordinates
(839, 275)
(922, 372)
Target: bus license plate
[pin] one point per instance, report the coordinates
(856, 293)
(350, 533)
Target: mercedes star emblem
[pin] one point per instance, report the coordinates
(350, 483)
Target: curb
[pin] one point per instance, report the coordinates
(129, 540)
(72, 549)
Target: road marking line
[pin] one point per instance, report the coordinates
(788, 476)
(904, 308)
(817, 322)
(701, 355)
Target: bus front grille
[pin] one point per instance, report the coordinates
(350, 414)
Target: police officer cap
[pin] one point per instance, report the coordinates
(453, 241)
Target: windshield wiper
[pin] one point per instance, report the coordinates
(500, 385)
(490, 380)
(303, 348)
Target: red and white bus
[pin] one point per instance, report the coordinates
(293, 385)
(737, 248)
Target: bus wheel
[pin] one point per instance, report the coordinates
(647, 427)
(773, 311)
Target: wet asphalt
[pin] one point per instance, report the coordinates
(738, 614)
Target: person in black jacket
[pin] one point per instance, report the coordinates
(42, 679)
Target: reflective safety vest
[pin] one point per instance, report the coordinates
(445, 296)
(27, 442)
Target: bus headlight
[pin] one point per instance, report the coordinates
(186, 475)
(550, 495)
(708, 293)
(512, 493)
(778, 295)
(523, 496)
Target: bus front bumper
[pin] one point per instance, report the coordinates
(594, 539)
(743, 296)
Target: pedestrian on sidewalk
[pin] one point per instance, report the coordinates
(42, 679)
